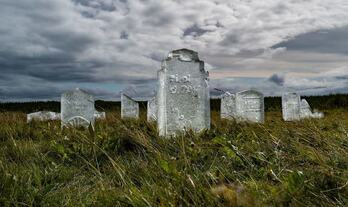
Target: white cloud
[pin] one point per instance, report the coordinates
(123, 40)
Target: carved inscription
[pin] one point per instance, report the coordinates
(183, 94)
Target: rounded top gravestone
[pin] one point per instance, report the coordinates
(77, 108)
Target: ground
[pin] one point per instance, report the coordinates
(125, 163)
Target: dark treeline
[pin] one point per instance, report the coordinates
(271, 104)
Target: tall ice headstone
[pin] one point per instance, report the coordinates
(250, 106)
(291, 106)
(183, 94)
(77, 109)
(152, 109)
(129, 107)
(228, 106)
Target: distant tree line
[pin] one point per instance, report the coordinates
(271, 104)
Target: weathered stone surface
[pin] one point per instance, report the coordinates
(250, 106)
(183, 94)
(43, 116)
(99, 115)
(152, 109)
(228, 106)
(77, 109)
(129, 107)
(291, 106)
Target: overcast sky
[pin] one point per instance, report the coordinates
(105, 46)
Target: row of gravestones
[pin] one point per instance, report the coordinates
(77, 109)
(183, 100)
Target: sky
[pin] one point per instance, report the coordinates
(106, 46)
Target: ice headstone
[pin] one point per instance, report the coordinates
(43, 116)
(77, 109)
(183, 94)
(99, 115)
(228, 106)
(152, 109)
(250, 106)
(306, 111)
(291, 106)
(129, 107)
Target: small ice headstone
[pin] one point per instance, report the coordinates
(183, 94)
(129, 107)
(77, 109)
(228, 106)
(152, 109)
(306, 111)
(99, 115)
(250, 106)
(291, 106)
(43, 116)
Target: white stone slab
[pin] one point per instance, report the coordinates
(43, 116)
(306, 111)
(99, 115)
(129, 107)
(291, 106)
(228, 106)
(183, 94)
(250, 106)
(152, 110)
(77, 109)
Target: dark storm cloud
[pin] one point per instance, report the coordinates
(322, 41)
(277, 79)
(194, 31)
(47, 47)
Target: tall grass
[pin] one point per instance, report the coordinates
(125, 163)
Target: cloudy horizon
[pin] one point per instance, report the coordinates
(106, 46)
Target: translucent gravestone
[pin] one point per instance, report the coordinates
(250, 106)
(152, 110)
(129, 107)
(306, 111)
(291, 106)
(43, 116)
(77, 109)
(228, 106)
(183, 94)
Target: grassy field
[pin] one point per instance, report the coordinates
(125, 163)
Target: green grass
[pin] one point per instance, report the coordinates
(125, 163)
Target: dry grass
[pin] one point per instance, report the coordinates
(125, 163)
